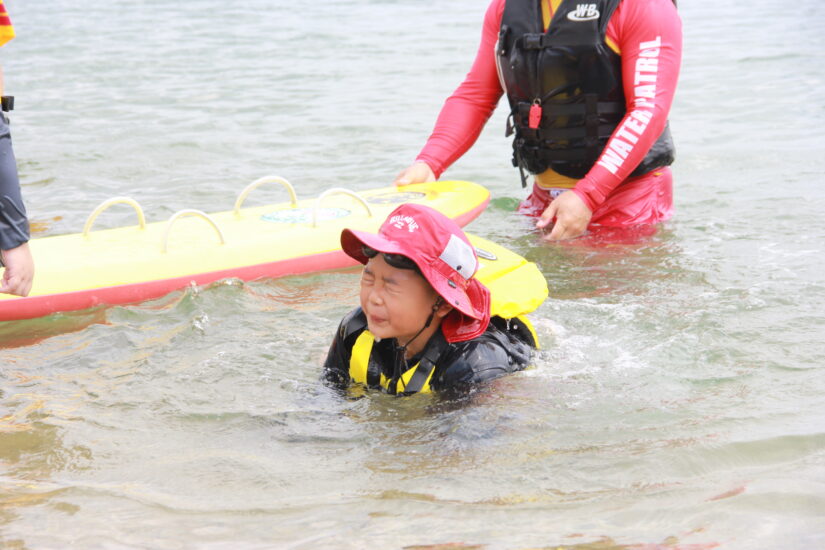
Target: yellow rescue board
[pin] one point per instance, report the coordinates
(149, 260)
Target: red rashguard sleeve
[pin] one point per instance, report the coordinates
(649, 36)
(467, 110)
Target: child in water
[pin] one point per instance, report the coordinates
(424, 322)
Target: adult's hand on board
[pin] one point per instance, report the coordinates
(17, 278)
(417, 172)
(571, 214)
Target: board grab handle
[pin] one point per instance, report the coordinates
(338, 191)
(189, 212)
(257, 183)
(87, 227)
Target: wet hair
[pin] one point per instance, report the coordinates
(395, 260)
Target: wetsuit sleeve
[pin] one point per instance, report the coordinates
(14, 225)
(467, 110)
(649, 36)
(336, 366)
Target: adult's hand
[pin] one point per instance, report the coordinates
(571, 214)
(17, 278)
(417, 172)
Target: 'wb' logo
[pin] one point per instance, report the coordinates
(584, 12)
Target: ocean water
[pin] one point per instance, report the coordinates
(678, 401)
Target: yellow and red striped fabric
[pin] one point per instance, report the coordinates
(6, 29)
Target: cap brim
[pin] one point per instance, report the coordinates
(352, 243)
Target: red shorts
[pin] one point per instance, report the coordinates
(644, 200)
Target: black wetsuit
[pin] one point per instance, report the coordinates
(503, 348)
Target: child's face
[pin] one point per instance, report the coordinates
(396, 301)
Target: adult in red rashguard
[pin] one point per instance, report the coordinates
(590, 86)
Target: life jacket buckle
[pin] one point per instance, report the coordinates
(531, 41)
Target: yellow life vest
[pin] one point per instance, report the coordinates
(415, 379)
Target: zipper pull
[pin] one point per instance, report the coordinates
(534, 118)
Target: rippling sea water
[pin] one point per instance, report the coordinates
(679, 398)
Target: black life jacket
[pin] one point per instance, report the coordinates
(571, 80)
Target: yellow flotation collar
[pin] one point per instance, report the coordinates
(415, 379)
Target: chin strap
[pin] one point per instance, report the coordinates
(401, 351)
(436, 305)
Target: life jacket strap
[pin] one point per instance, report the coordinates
(426, 366)
(552, 110)
(534, 41)
(591, 127)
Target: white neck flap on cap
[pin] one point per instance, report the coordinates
(459, 255)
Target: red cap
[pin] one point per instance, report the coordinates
(445, 257)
